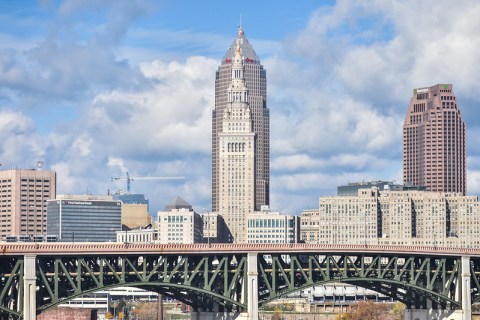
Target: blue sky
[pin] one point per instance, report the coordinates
(98, 88)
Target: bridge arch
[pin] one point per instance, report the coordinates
(197, 280)
(159, 288)
(66, 270)
(410, 279)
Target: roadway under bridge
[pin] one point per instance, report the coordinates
(236, 279)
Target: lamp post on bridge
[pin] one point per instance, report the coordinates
(72, 236)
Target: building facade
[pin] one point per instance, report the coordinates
(214, 228)
(351, 189)
(23, 201)
(179, 223)
(434, 141)
(247, 72)
(84, 218)
(395, 218)
(142, 235)
(272, 227)
(236, 156)
(135, 215)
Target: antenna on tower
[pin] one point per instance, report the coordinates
(240, 20)
(39, 165)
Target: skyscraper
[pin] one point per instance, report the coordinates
(24, 195)
(434, 141)
(236, 156)
(256, 83)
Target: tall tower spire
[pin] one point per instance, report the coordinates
(240, 137)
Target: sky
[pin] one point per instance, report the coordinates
(96, 89)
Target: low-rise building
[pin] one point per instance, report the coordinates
(272, 227)
(179, 223)
(309, 222)
(140, 235)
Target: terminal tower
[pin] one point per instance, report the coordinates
(240, 138)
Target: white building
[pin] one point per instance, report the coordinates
(178, 223)
(272, 227)
(146, 235)
(395, 217)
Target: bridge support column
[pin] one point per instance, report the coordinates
(466, 293)
(252, 285)
(29, 288)
(463, 293)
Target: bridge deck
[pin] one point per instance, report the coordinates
(65, 248)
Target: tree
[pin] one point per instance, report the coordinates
(145, 311)
(370, 310)
(278, 313)
(398, 311)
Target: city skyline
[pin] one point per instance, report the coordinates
(96, 90)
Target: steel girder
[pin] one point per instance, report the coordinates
(202, 280)
(410, 279)
(11, 287)
(198, 280)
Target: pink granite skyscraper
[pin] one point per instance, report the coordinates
(434, 141)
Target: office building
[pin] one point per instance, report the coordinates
(84, 218)
(131, 198)
(351, 189)
(23, 201)
(178, 223)
(272, 227)
(214, 228)
(134, 210)
(240, 129)
(434, 141)
(135, 215)
(309, 226)
(395, 218)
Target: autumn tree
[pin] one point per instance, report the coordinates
(398, 311)
(146, 311)
(342, 316)
(369, 310)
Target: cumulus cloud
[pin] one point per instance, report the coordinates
(338, 97)
(337, 93)
(19, 142)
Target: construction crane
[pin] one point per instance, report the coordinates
(130, 179)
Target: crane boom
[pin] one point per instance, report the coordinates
(130, 179)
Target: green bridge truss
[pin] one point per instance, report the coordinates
(200, 280)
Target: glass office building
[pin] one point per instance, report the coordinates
(84, 218)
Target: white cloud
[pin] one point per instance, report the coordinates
(337, 94)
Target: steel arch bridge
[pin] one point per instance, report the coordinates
(234, 278)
